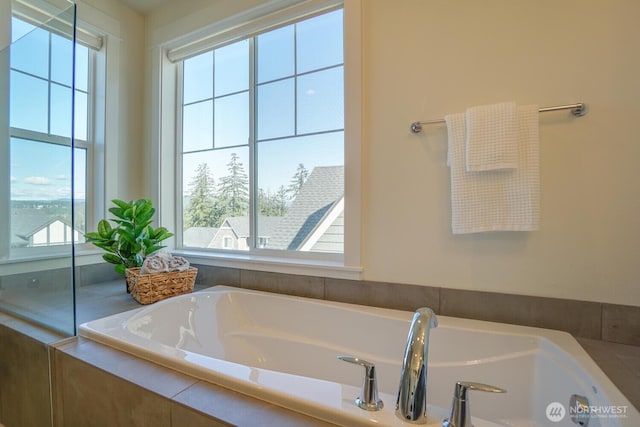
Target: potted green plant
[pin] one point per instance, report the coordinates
(132, 238)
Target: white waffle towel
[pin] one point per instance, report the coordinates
(492, 137)
(497, 200)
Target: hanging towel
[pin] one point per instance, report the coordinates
(492, 137)
(497, 200)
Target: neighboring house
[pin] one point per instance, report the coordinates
(234, 232)
(313, 222)
(198, 237)
(36, 228)
(315, 219)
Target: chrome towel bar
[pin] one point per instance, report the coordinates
(578, 110)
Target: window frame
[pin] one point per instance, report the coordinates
(253, 240)
(165, 127)
(94, 161)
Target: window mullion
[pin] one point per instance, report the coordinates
(179, 159)
(49, 85)
(253, 192)
(295, 79)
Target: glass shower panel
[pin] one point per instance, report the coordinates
(37, 228)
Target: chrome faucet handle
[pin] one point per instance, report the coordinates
(368, 399)
(460, 411)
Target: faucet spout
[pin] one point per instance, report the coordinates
(411, 405)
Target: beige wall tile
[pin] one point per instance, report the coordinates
(240, 410)
(379, 294)
(290, 284)
(93, 397)
(621, 363)
(211, 276)
(24, 380)
(621, 324)
(582, 319)
(155, 378)
(184, 416)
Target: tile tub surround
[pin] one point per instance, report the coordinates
(593, 320)
(123, 390)
(192, 402)
(24, 373)
(607, 322)
(100, 298)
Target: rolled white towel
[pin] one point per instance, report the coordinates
(156, 263)
(178, 263)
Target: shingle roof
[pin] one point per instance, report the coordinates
(322, 189)
(26, 223)
(266, 225)
(198, 237)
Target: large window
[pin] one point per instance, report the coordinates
(41, 73)
(262, 141)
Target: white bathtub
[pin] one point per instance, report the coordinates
(284, 350)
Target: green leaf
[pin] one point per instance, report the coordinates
(104, 229)
(142, 203)
(121, 204)
(145, 216)
(92, 236)
(106, 245)
(120, 269)
(120, 213)
(128, 236)
(141, 229)
(151, 249)
(161, 234)
(111, 258)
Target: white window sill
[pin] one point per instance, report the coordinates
(273, 264)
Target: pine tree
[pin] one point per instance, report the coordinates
(233, 189)
(273, 204)
(297, 180)
(280, 201)
(201, 211)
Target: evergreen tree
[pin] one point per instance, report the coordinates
(265, 202)
(233, 189)
(273, 204)
(202, 211)
(297, 180)
(280, 201)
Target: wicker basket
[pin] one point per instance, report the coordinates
(150, 288)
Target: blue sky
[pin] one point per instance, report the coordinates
(40, 101)
(216, 84)
(287, 106)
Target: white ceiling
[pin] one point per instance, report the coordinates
(144, 6)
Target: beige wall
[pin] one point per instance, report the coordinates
(124, 93)
(423, 59)
(426, 58)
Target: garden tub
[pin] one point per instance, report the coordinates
(283, 349)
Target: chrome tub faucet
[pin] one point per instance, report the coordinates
(411, 405)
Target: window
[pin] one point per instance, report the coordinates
(40, 121)
(262, 140)
(228, 242)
